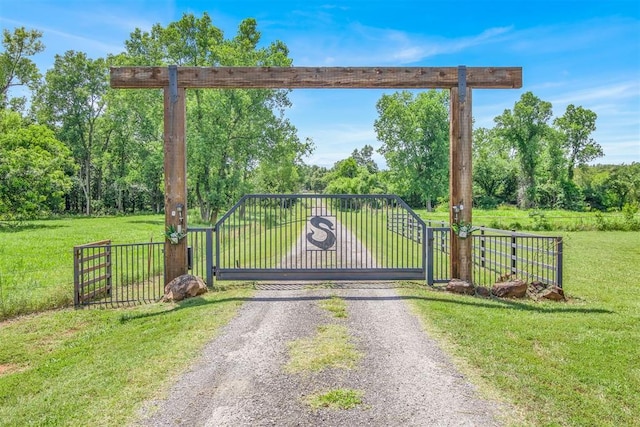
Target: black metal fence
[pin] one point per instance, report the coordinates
(498, 254)
(532, 258)
(320, 237)
(123, 274)
(130, 274)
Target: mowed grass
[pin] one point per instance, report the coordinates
(96, 367)
(574, 363)
(36, 259)
(511, 218)
(569, 364)
(335, 399)
(330, 348)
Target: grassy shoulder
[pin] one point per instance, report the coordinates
(95, 367)
(575, 363)
(36, 258)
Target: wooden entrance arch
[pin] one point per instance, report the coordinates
(459, 80)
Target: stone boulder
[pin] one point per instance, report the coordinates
(512, 289)
(538, 290)
(458, 286)
(481, 291)
(553, 293)
(185, 286)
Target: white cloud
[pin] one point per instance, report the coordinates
(364, 45)
(618, 91)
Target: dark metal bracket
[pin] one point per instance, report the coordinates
(462, 83)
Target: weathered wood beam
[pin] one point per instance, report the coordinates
(461, 182)
(317, 77)
(175, 179)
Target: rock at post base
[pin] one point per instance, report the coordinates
(185, 286)
(458, 286)
(512, 289)
(553, 293)
(481, 291)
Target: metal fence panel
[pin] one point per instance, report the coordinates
(131, 273)
(498, 254)
(320, 237)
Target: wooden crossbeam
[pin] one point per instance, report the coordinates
(317, 77)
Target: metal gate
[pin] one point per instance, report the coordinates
(320, 237)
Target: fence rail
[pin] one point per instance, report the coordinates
(499, 253)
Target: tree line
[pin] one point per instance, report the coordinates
(71, 144)
(528, 159)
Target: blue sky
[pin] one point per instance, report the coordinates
(584, 53)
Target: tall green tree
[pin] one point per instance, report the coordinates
(494, 174)
(364, 157)
(576, 125)
(35, 169)
(525, 129)
(72, 101)
(16, 66)
(313, 177)
(231, 134)
(414, 131)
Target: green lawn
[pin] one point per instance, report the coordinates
(96, 367)
(36, 259)
(575, 363)
(510, 218)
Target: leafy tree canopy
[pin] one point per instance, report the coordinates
(34, 169)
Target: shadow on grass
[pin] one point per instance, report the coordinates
(188, 303)
(494, 304)
(146, 221)
(16, 228)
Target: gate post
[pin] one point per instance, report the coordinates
(209, 256)
(429, 246)
(460, 177)
(175, 173)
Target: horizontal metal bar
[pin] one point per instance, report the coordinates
(90, 245)
(86, 283)
(86, 270)
(88, 296)
(308, 274)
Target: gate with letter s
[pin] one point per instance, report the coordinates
(320, 237)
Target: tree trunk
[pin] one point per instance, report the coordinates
(429, 206)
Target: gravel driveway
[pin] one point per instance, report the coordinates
(240, 379)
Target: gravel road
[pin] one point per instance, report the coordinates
(240, 380)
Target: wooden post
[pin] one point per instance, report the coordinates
(175, 175)
(461, 181)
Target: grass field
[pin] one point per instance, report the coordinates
(36, 259)
(575, 363)
(510, 218)
(96, 367)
